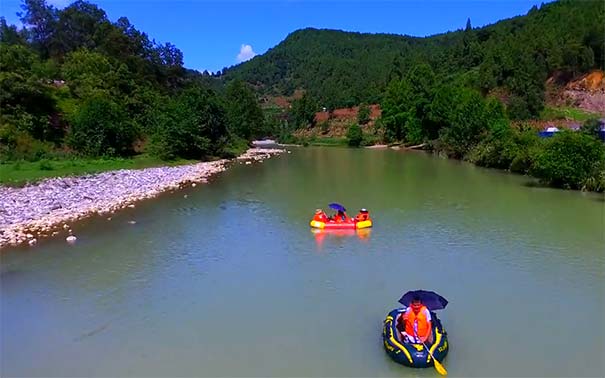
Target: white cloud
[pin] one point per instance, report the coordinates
(245, 53)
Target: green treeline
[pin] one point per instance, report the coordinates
(456, 92)
(459, 122)
(74, 83)
(516, 55)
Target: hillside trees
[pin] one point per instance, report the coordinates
(512, 57)
(245, 116)
(74, 82)
(303, 111)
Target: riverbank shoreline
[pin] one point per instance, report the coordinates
(43, 209)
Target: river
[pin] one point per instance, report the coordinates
(227, 279)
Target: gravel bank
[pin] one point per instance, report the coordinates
(35, 211)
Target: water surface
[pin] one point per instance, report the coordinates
(230, 281)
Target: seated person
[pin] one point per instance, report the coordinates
(340, 217)
(363, 215)
(416, 322)
(320, 216)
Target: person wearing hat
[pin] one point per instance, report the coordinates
(363, 215)
(320, 216)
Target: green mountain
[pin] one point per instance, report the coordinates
(344, 68)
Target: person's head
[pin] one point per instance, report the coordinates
(340, 212)
(363, 211)
(318, 211)
(416, 304)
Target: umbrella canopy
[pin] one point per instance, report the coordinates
(430, 299)
(337, 207)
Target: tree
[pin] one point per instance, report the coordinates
(80, 25)
(303, 110)
(101, 128)
(469, 120)
(25, 100)
(569, 159)
(194, 126)
(88, 73)
(363, 114)
(41, 22)
(354, 135)
(245, 116)
(10, 35)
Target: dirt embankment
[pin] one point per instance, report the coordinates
(586, 92)
(335, 123)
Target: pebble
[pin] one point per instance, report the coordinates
(54, 202)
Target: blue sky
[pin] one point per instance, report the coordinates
(213, 34)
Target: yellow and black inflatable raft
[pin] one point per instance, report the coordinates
(413, 355)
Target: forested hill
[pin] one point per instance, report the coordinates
(518, 54)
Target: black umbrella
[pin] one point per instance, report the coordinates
(430, 299)
(337, 207)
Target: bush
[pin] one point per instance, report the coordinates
(363, 115)
(19, 145)
(591, 127)
(324, 126)
(569, 159)
(192, 127)
(101, 128)
(45, 165)
(354, 135)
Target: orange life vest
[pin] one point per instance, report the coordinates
(321, 217)
(361, 217)
(423, 325)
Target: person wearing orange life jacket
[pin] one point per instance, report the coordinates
(417, 323)
(320, 216)
(341, 217)
(363, 215)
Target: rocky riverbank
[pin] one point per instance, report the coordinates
(40, 210)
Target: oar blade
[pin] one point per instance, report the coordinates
(440, 369)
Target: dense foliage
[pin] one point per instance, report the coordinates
(569, 160)
(73, 82)
(515, 55)
(354, 135)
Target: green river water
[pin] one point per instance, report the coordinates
(230, 281)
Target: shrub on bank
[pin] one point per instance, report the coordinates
(101, 128)
(354, 135)
(570, 160)
(20, 145)
(507, 148)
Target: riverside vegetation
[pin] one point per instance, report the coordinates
(465, 94)
(76, 84)
(78, 88)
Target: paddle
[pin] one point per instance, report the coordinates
(440, 369)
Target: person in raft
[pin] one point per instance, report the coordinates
(363, 215)
(340, 217)
(416, 323)
(320, 216)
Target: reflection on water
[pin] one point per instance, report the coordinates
(321, 234)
